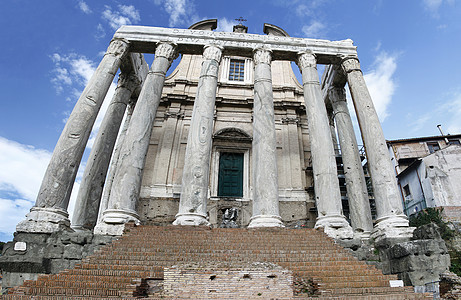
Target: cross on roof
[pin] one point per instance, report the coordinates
(240, 20)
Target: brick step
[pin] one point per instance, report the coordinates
(388, 296)
(114, 271)
(223, 256)
(98, 284)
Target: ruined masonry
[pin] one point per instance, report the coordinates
(229, 139)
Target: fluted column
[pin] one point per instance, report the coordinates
(264, 157)
(89, 194)
(326, 184)
(50, 211)
(391, 221)
(195, 178)
(357, 193)
(128, 175)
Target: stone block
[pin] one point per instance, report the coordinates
(73, 251)
(425, 232)
(99, 239)
(57, 265)
(54, 251)
(80, 237)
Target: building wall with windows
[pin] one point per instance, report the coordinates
(428, 171)
(232, 138)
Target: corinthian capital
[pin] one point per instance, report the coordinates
(212, 52)
(337, 94)
(350, 63)
(118, 47)
(306, 59)
(167, 50)
(128, 81)
(262, 56)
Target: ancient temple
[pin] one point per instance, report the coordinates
(230, 129)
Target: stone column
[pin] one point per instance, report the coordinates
(114, 162)
(195, 178)
(264, 157)
(128, 175)
(326, 184)
(391, 221)
(50, 211)
(89, 195)
(359, 205)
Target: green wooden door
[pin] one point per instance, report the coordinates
(230, 180)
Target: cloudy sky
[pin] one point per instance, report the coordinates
(409, 51)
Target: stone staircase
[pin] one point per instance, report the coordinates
(127, 267)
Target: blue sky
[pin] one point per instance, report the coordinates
(409, 52)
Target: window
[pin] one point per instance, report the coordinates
(407, 193)
(236, 70)
(453, 142)
(230, 178)
(433, 146)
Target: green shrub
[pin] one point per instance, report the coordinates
(432, 215)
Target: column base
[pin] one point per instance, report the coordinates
(335, 226)
(113, 221)
(80, 228)
(265, 221)
(191, 220)
(45, 220)
(393, 226)
(362, 235)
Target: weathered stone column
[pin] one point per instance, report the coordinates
(50, 211)
(128, 175)
(357, 193)
(326, 184)
(264, 157)
(195, 178)
(391, 221)
(89, 194)
(114, 161)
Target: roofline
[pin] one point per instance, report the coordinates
(425, 138)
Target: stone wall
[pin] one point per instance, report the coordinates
(418, 261)
(253, 281)
(32, 254)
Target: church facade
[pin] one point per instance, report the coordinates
(229, 138)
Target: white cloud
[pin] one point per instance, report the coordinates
(314, 30)
(84, 7)
(433, 6)
(125, 15)
(73, 72)
(450, 112)
(381, 84)
(181, 12)
(226, 25)
(100, 32)
(21, 173)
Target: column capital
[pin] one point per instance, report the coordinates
(350, 64)
(336, 94)
(306, 59)
(118, 47)
(128, 81)
(262, 56)
(213, 52)
(167, 50)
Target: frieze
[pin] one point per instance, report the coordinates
(192, 42)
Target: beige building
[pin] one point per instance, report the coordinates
(428, 172)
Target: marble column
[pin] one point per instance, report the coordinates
(357, 193)
(114, 161)
(326, 184)
(50, 211)
(391, 221)
(264, 157)
(128, 175)
(195, 178)
(91, 187)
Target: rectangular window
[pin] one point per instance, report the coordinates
(407, 193)
(453, 142)
(433, 146)
(236, 70)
